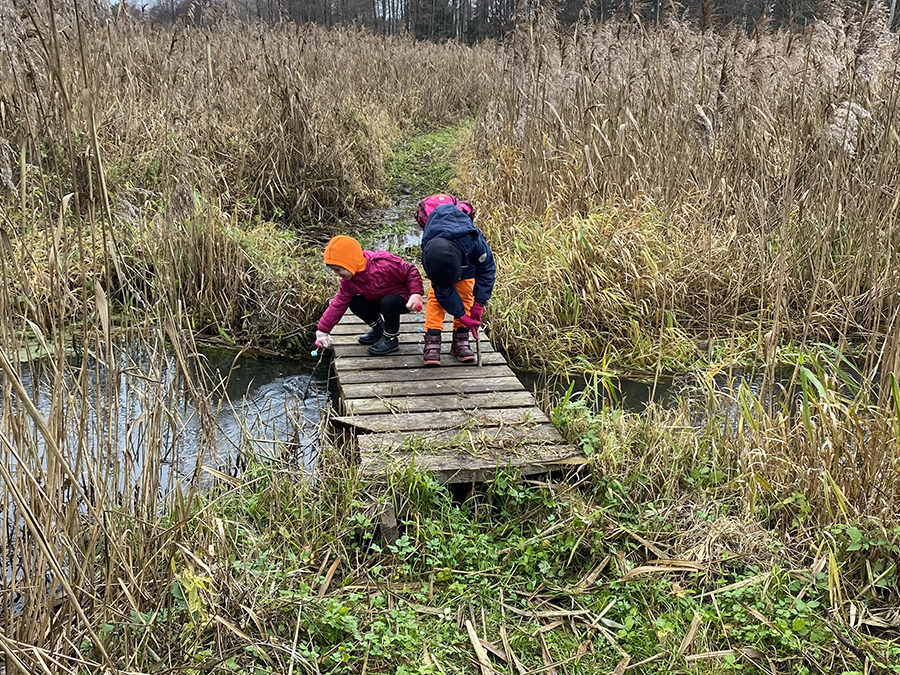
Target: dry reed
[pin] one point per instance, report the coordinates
(761, 170)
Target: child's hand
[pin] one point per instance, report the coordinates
(476, 311)
(414, 304)
(323, 340)
(470, 323)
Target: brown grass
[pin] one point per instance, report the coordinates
(766, 165)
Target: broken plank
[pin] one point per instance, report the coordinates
(344, 364)
(451, 419)
(459, 385)
(463, 468)
(423, 374)
(402, 404)
(479, 437)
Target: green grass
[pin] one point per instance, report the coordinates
(544, 562)
(426, 164)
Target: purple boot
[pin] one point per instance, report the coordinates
(432, 354)
(460, 346)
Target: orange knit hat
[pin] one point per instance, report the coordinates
(345, 252)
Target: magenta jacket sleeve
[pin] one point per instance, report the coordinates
(336, 309)
(413, 279)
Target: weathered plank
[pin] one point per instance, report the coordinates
(453, 467)
(448, 419)
(343, 364)
(461, 385)
(366, 406)
(408, 349)
(422, 374)
(474, 440)
(405, 327)
(403, 338)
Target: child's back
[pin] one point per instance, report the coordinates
(459, 262)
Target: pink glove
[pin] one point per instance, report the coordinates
(476, 312)
(470, 323)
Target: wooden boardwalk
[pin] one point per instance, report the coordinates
(459, 421)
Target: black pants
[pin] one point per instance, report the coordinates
(390, 307)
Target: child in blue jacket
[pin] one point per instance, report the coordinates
(458, 261)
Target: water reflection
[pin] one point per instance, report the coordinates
(132, 428)
(631, 395)
(717, 393)
(393, 229)
(142, 408)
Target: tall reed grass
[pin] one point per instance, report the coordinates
(295, 119)
(183, 143)
(665, 198)
(141, 170)
(674, 180)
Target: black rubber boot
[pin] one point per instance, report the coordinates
(460, 346)
(386, 345)
(374, 334)
(432, 354)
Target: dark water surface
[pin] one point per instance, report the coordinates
(232, 405)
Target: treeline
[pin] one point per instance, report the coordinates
(468, 21)
(474, 20)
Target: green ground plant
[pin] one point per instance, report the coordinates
(575, 574)
(427, 163)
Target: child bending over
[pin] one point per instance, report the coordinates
(376, 286)
(459, 262)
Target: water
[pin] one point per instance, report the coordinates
(138, 424)
(393, 229)
(231, 406)
(634, 394)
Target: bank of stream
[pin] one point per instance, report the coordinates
(262, 405)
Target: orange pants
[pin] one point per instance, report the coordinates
(434, 312)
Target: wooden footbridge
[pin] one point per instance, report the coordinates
(459, 421)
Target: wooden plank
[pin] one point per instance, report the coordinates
(360, 328)
(422, 374)
(463, 468)
(388, 519)
(367, 406)
(452, 419)
(408, 349)
(343, 364)
(460, 385)
(351, 319)
(469, 440)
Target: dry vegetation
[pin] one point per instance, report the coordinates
(203, 136)
(679, 186)
(644, 189)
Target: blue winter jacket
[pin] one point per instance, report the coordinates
(449, 222)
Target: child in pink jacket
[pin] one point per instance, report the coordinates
(376, 286)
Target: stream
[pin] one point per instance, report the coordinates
(253, 405)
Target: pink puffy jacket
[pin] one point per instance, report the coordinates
(385, 274)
